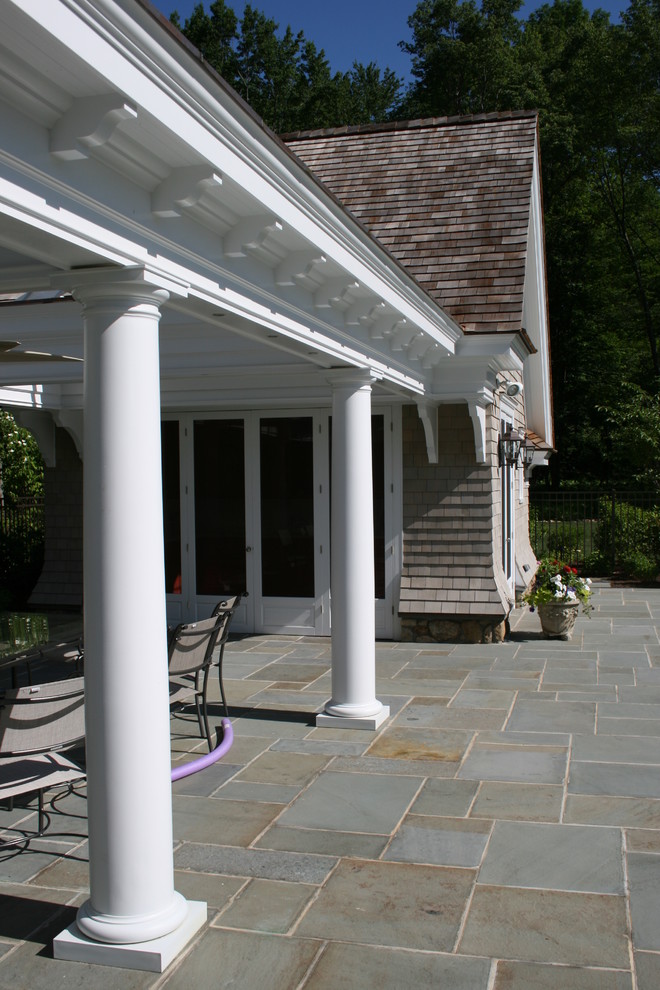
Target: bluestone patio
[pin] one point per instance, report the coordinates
(501, 830)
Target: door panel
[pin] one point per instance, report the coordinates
(220, 538)
(289, 572)
(287, 507)
(171, 505)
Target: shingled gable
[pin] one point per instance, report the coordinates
(450, 197)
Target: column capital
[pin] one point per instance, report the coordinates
(353, 378)
(104, 284)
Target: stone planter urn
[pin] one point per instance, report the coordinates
(558, 620)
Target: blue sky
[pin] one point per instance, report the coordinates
(352, 30)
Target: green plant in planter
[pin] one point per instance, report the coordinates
(557, 583)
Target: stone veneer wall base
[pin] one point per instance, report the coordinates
(454, 629)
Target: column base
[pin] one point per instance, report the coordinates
(153, 956)
(327, 720)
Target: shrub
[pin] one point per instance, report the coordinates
(635, 534)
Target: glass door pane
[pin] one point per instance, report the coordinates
(219, 506)
(287, 507)
(378, 480)
(171, 505)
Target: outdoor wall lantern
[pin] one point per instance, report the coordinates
(511, 444)
(528, 451)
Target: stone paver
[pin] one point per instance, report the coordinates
(501, 831)
(554, 857)
(396, 904)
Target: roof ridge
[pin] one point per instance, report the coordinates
(405, 125)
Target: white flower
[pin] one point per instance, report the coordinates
(559, 593)
(556, 579)
(570, 594)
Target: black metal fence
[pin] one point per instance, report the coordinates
(22, 536)
(602, 533)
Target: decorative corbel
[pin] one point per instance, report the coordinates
(478, 416)
(72, 421)
(183, 188)
(432, 357)
(250, 234)
(428, 413)
(364, 312)
(385, 327)
(403, 336)
(88, 123)
(419, 346)
(334, 292)
(298, 266)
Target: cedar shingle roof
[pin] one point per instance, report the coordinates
(449, 197)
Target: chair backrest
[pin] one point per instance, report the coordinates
(191, 644)
(227, 607)
(228, 604)
(42, 717)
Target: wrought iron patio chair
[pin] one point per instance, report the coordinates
(37, 725)
(71, 654)
(191, 649)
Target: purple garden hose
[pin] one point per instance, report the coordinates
(202, 762)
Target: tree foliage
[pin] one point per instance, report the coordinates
(596, 86)
(21, 463)
(284, 76)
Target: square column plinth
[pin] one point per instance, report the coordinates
(361, 722)
(153, 956)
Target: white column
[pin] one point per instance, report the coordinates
(133, 917)
(353, 703)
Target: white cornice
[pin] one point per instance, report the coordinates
(142, 62)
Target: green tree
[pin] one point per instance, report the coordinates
(284, 77)
(21, 463)
(215, 35)
(633, 422)
(463, 57)
(623, 135)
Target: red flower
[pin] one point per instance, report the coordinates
(574, 569)
(567, 568)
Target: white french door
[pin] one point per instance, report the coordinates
(247, 508)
